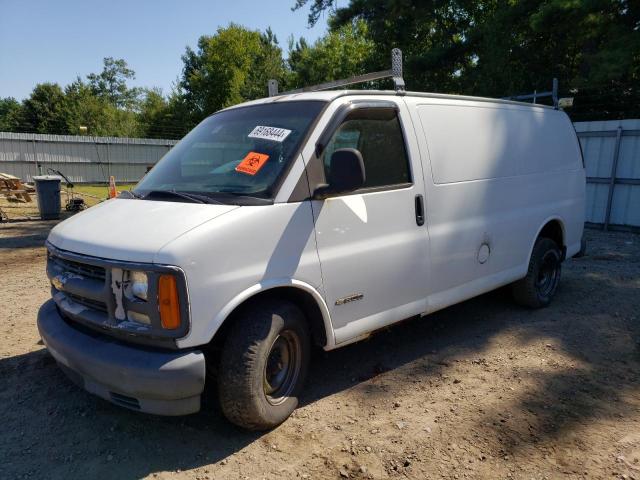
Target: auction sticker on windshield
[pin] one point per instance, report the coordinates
(252, 163)
(270, 133)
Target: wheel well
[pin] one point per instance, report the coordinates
(302, 299)
(553, 230)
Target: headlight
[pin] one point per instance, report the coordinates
(137, 285)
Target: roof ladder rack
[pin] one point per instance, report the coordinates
(395, 73)
(553, 93)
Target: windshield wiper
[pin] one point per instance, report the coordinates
(129, 194)
(241, 197)
(193, 197)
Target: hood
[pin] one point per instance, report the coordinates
(131, 230)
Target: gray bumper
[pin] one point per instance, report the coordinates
(164, 383)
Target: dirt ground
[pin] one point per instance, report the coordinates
(484, 389)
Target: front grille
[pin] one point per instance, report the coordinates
(84, 293)
(78, 285)
(87, 302)
(83, 269)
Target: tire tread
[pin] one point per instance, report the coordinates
(236, 393)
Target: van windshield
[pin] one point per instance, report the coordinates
(242, 152)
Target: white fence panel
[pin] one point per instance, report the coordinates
(612, 159)
(80, 158)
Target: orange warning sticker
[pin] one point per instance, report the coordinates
(252, 163)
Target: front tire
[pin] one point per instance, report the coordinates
(538, 288)
(263, 364)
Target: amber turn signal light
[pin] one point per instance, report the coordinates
(168, 302)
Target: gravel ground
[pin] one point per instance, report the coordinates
(483, 389)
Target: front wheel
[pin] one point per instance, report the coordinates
(263, 365)
(543, 276)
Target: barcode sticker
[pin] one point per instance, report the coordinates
(270, 133)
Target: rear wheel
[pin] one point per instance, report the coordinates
(263, 365)
(537, 289)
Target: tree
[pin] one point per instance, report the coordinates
(582, 42)
(111, 83)
(153, 109)
(44, 110)
(10, 112)
(343, 52)
(502, 47)
(431, 35)
(164, 117)
(229, 67)
(268, 64)
(592, 46)
(101, 117)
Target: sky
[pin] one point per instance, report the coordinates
(57, 40)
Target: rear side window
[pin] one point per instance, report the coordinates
(377, 134)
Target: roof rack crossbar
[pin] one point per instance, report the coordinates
(395, 73)
(536, 95)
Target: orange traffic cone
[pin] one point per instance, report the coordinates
(112, 187)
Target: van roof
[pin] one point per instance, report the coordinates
(329, 95)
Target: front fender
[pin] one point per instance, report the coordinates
(261, 287)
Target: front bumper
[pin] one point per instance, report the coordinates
(151, 381)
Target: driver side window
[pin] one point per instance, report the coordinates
(377, 134)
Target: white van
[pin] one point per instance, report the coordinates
(306, 219)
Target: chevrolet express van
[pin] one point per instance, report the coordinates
(306, 219)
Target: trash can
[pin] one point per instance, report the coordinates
(48, 192)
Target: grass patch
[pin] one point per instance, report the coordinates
(92, 193)
(100, 190)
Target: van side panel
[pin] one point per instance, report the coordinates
(494, 175)
(495, 141)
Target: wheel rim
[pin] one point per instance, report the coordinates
(548, 274)
(282, 368)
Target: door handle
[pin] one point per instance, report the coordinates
(419, 210)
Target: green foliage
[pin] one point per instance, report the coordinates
(9, 114)
(343, 52)
(229, 67)
(104, 104)
(101, 117)
(582, 42)
(44, 110)
(111, 83)
(431, 35)
(153, 109)
(502, 47)
(164, 117)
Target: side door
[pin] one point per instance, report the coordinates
(372, 243)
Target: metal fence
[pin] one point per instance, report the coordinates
(611, 152)
(612, 158)
(81, 159)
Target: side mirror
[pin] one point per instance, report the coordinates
(346, 173)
